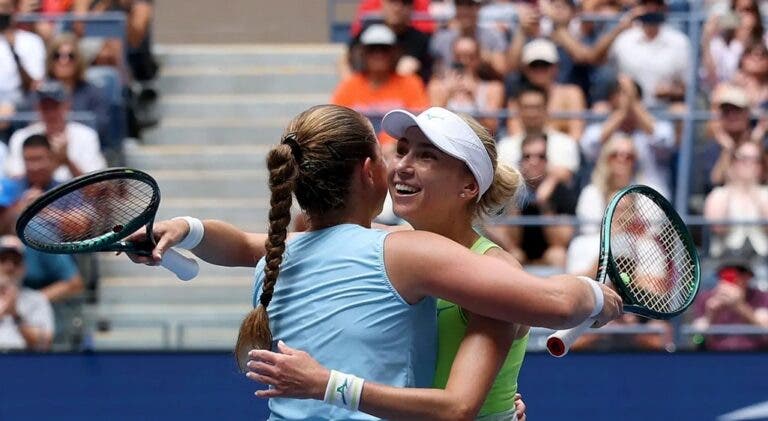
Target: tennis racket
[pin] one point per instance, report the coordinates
(95, 212)
(648, 255)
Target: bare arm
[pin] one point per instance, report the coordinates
(139, 20)
(36, 338)
(442, 268)
(64, 289)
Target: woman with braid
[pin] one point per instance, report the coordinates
(359, 299)
(421, 174)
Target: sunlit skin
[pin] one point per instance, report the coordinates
(438, 181)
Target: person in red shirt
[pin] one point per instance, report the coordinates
(733, 301)
(368, 8)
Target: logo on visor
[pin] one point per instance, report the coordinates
(432, 117)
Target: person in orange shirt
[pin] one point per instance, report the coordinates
(378, 88)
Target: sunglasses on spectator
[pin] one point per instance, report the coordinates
(405, 2)
(540, 64)
(59, 55)
(628, 156)
(539, 156)
(378, 48)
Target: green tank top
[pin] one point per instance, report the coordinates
(452, 326)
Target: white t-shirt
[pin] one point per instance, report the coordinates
(562, 150)
(31, 51)
(83, 149)
(650, 62)
(35, 309)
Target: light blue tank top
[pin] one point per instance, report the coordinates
(334, 300)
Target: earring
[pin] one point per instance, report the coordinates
(463, 195)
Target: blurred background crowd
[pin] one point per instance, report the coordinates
(584, 98)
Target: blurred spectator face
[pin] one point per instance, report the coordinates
(653, 17)
(11, 267)
(64, 62)
(396, 13)
(533, 160)
(533, 110)
(734, 119)
(379, 58)
(53, 113)
(755, 59)
(466, 16)
(748, 11)
(466, 53)
(541, 73)
(621, 158)
(39, 164)
(747, 166)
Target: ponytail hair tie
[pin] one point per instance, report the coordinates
(293, 142)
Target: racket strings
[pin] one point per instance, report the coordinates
(652, 252)
(101, 209)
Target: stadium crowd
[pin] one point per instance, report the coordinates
(68, 99)
(585, 98)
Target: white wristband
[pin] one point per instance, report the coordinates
(195, 234)
(344, 390)
(599, 296)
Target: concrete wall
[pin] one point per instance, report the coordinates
(245, 21)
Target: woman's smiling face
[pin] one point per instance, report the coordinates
(426, 183)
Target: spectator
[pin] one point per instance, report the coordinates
(139, 15)
(742, 198)
(26, 317)
(22, 58)
(378, 88)
(616, 168)
(493, 45)
(730, 128)
(562, 150)
(75, 146)
(65, 63)
(655, 55)
(469, 86)
(733, 302)
(368, 9)
(17, 193)
(540, 60)
(588, 45)
(654, 140)
(753, 75)
(546, 194)
(413, 44)
(724, 38)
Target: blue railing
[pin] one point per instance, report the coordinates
(106, 25)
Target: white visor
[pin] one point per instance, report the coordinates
(449, 133)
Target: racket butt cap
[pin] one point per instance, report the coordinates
(556, 347)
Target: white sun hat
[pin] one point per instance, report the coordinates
(449, 133)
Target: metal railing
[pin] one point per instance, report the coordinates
(107, 24)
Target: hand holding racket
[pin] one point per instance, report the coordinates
(648, 255)
(96, 212)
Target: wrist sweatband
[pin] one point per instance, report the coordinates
(195, 234)
(599, 297)
(344, 390)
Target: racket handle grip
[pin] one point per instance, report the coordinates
(184, 267)
(559, 343)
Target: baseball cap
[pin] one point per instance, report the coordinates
(540, 50)
(449, 133)
(378, 34)
(11, 243)
(733, 95)
(53, 90)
